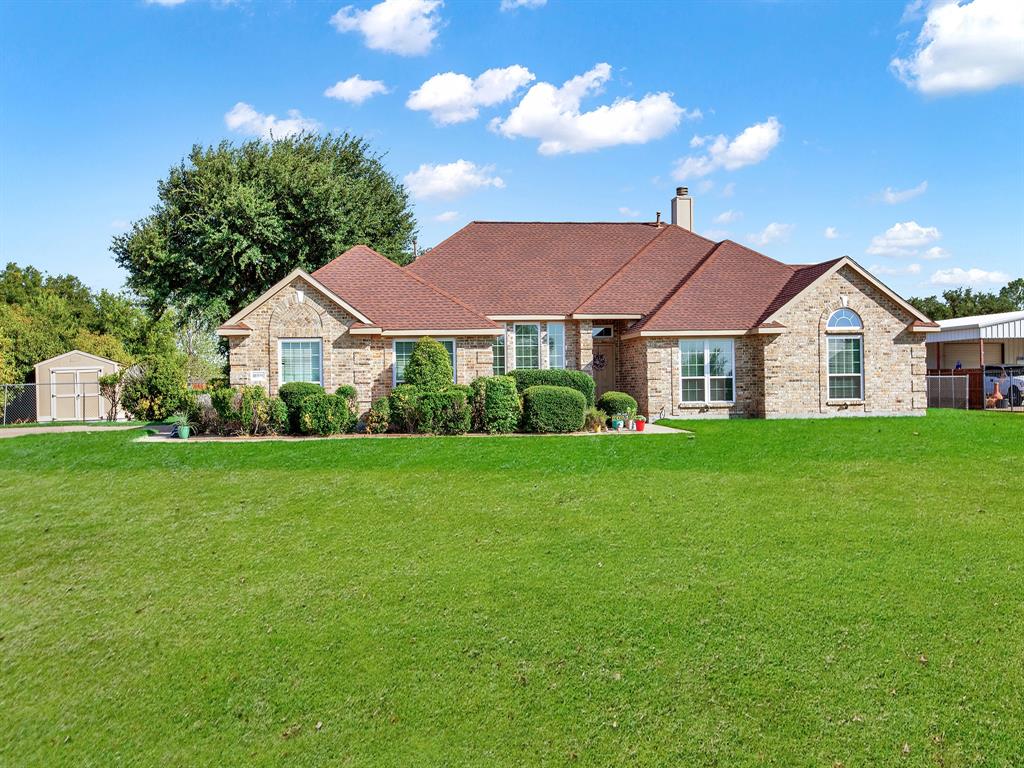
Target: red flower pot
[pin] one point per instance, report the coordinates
(640, 426)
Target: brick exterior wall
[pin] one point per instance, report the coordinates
(796, 362)
(365, 362)
(786, 375)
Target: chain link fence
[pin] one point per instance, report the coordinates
(70, 401)
(947, 391)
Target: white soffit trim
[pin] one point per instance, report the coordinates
(605, 317)
(232, 332)
(696, 334)
(525, 318)
(365, 331)
(442, 332)
(846, 261)
(298, 272)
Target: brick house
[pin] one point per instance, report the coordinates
(688, 326)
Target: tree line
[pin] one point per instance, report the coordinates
(965, 302)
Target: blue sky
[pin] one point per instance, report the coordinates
(890, 133)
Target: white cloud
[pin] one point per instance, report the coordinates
(355, 90)
(748, 148)
(511, 5)
(831, 233)
(447, 216)
(553, 116)
(973, 276)
(716, 234)
(454, 98)
(728, 217)
(903, 239)
(935, 252)
(629, 213)
(971, 47)
(729, 189)
(405, 27)
(244, 119)
(773, 233)
(451, 180)
(893, 196)
(910, 269)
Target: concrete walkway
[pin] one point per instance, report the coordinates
(22, 431)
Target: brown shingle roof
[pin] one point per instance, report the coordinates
(394, 298)
(538, 268)
(734, 288)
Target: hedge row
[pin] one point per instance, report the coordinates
(532, 377)
(553, 409)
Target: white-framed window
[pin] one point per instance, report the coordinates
(556, 345)
(708, 370)
(403, 351)
(300, 360)
(602, 331)
(846, 367)
(498, 348)
(527, 345)
(844, 319)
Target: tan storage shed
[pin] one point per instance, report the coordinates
(68, 389)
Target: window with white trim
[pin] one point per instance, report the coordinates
(846, 367)
(403, 351)
(498, 348)
(844, 318)
(300, 360)
(556, 345)
(708, 370)
(527, 346)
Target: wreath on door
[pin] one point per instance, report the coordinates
(599, 362)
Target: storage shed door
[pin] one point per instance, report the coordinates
(75, 394)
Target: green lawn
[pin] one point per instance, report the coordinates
(808, 593)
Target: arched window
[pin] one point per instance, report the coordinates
(845, 356)
(845, 318)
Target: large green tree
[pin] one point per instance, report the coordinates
(233, 220)
(964, 302)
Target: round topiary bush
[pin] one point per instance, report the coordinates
(429, 366)
(553, 409)
(497, 407)
(293, 393)
(444, 411)
(614, 403)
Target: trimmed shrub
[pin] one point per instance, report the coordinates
(429, 366)
(553, 409)
(594, 420)
(497, 407)
(558, 377)
(293, 393)
(323, 414)
(403, 402)
(348, 392)
(242, 411)
(155, 390)
(444, 411)
(614, 403)
(378, 419)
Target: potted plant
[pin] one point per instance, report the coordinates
(641, 422)
(631, 418)
(618, 420)
(181, 426)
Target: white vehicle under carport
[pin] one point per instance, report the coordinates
(1010, 379)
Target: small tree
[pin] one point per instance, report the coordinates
(111, 388)
(429, 366)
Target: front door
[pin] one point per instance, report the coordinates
(604, 365)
